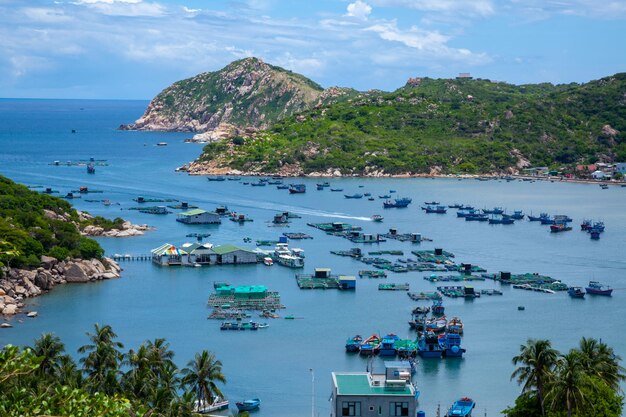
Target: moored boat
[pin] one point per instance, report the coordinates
(377, 218)
(387, 345)
(297, 189)
(397, 203)
(495, 210)
(436, 324)
(539, 218)
(451, 345)
(353, 344)
(455, 325)
(371, 345)
(586, 225)
(248, 405)
(405, 348)
(428, 346)
(353, 195)
(461, 408)
(559, 227)
(595, 288)
(435, 209)
(576, 292)
(438, 308)
(204, 407)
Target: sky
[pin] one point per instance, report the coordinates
(132, 49)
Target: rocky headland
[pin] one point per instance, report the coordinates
(16, 284)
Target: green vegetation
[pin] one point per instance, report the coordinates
(459, 126)
(583, 382)
(105, 223)
(34, 224)
(44, 380)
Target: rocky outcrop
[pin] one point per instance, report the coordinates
(18, 284)
(245, 94)
(127, 229)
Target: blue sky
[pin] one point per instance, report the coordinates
(132, 49)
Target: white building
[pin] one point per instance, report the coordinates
(198, 216)
(598, 175)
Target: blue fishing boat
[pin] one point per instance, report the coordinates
(387, 345)
(431, 203)
(216, 178)
(595, 288)
(501, 220)
(451, 345)
(91, 169)
(336, 190)
(353, 195)
(517, 215)
(353, 344)
(586, 225)
(282, 187)
(397, 203)
(435, 209)
(495, 210)
(576, 292)
(438, 309)
(385, 196)
(464, 212)
(320, 187)
(594, 234)
(367, 194)
(323, 184)
(371, 345)
(476, 217)
(297, 189)
(428, 346)
(259, 184)
(461, 408)
(248, 405)
(599, 226)
(538, 218)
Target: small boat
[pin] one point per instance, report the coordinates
(461, 408)
(259, 184)
(367, 194)
(464, 212)
(594, 234)
(248, 405)
(384, 196)
(204, 407)
(353, 344)
(397, 203)
(435, 209)
(392, 191)
(387, 347)
(323, 184)
(436, 324)
(421, 310)
(559, 227)
(538, 218)
(495, 210)
(282, 187)
(438, 308)
(428, 346)
(595, 288)
(517, 215)
(455, 325)
(161, 144)
(336, 190)
(220, 179)
(371, 345)
(268, 261)
(431, 203)
(586, 225)
(353, 196)
(455, 206)
(476, 217)
(297, 189)
(599, 226)
(576, 292)
(371, 199)
(320, 187)
(377, 218)
(451, 345)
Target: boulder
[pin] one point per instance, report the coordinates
(109, 275)
(9, 309)
(2, 292)
(42, 280)
(48, 261)
(75, 273)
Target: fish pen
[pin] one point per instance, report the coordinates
(352, 253)
(323, 279)
(245, 298)
(387, 252)
(229, 314)
(448, 278)
(393, 287)
(459, 292)
(266, 242)
(533, 280)
(418, 296)
(154, 200)
(372, 274)
(403, 237)
(297, 236)
(436, 256)
(335, 227)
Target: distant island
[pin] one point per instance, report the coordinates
(262, 119)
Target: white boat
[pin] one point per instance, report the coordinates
(268, 261)
(292, 258)
(203, 407)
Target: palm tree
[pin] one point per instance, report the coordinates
(50, 348)
(68, 374)
(598, 359)
(101, 365)
(201, 374)
(568, 383)
(537, 358)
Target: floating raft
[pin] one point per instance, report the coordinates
(436, 256)
(270, 302)
(323, 279)
(393, 287)
(424, 295)
(532, 280)
(335, 227)
(459, 291)
(353, 253)
(266, 242)
(182, 206)
(154, 200)
(387, 252)
(403, 237)
(297, 236)
(229, 314)
(447, 278)
(200, 235)
(491, 292)
(372, 274)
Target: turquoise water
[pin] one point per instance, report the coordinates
(273, 364)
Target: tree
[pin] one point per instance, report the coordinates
(537, 358)
(598, 359)
(101, 365)
(50, 349)
(567, 386)
(200, 377)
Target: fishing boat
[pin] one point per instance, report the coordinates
(538, 218)
(461, 408)
(501, 220)
(517, 215)
(476, 217)
(297, 189)
(323, 184)
(371, 345)
(431, 203)
(438, 308)
(367, 194)
(319, 187)
(353, 344)
(282, 187)
(405, 348)
(428, 346)
(455, 325)
(495, 210)
(385, 196)
(421, 310)
(595, 288)
(451, 345)
(435, 209)
(248, 405)
(371, 199)
(259, 184)
(576, 292)
(336, 190)
(599, 226)
(559, 227)
(418, 322)
(586, 225)
(594, 234)
(387, 345)
(436, 324)
(204, 407)
(216, 178)
(397, 203)
(353, 195)
(464, 212)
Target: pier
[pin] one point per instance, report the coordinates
(130, 258)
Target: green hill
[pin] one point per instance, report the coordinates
(439, 125)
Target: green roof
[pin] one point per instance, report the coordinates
(358, 384)
(250, 289)
(193, 212)
(224, 249)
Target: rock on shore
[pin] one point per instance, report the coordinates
(19, 284)
(128, 229)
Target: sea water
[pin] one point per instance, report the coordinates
(278, 364)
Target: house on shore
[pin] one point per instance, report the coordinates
(367, 394)
(198, 216)
(200, 253)
(231, 254)
(168, 255)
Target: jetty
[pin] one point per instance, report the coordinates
(323, 279)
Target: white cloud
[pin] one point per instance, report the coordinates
(460, 7)
(45, 15)
(603, 9)
(359, 9)
(127, 8)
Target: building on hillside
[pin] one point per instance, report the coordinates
(168, 255)
(231, 254)
(200, 253)
(620, 167)
(464, 76)
(198, 216)
(368, 394)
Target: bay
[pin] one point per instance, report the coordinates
(274, 364)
